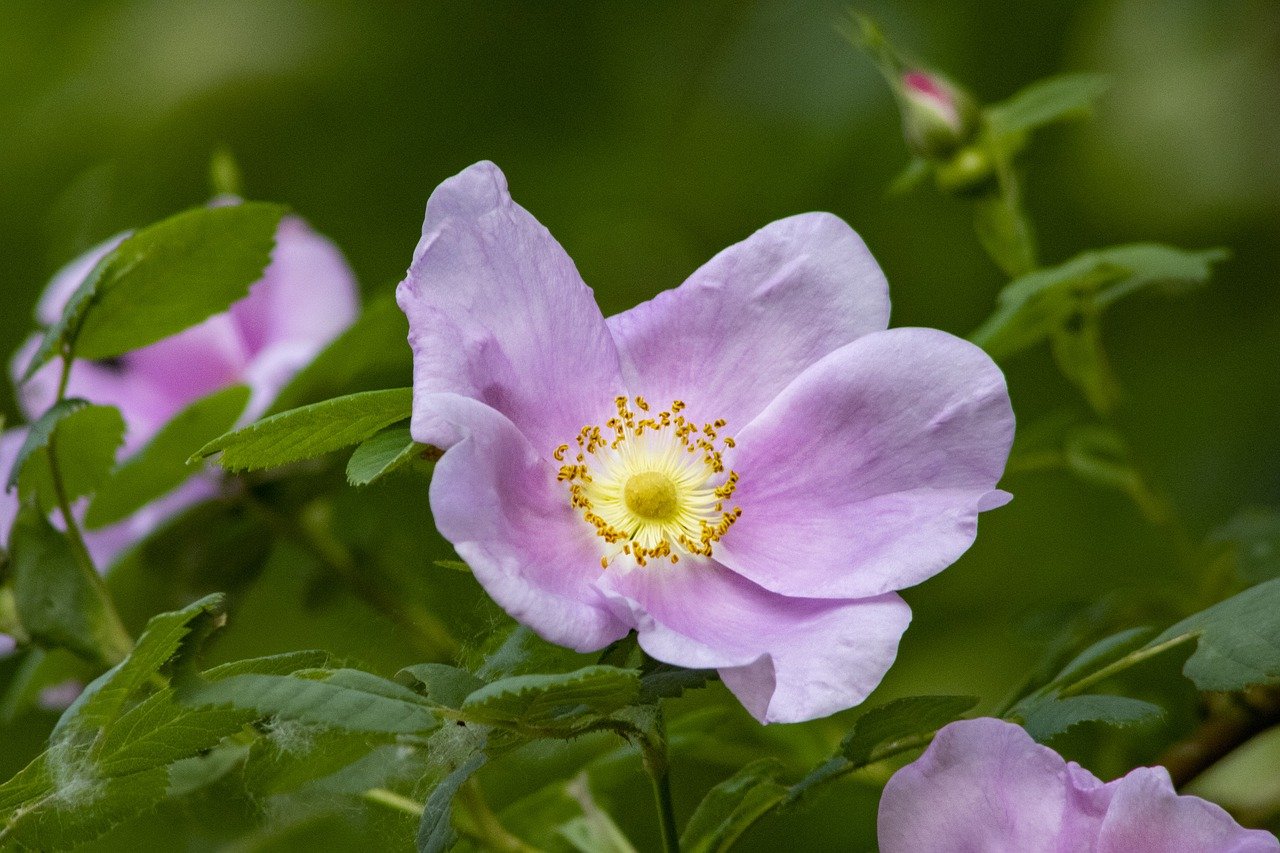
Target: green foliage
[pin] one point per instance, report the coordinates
(1035, 306)
(730, 808)
(59, 604)
(1044, 102)
(183, 269)
(553, 701)
(1047, 717)
(378, 456)
(310, 431)
(882, 730)
(84, 437)
(1237, 640)
(162, 465)
(441, 683)
(435, 833)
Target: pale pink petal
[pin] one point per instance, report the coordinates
(753, 318)
(497, 312)
(867, 474)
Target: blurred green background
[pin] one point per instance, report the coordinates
(647, 137)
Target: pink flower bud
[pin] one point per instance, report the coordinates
(937, 116)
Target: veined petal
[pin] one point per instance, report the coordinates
(867, 474)
(786, 659)
(498, 312)
(495, 498)
(1146, 815)
(986, 785)
(753, 318)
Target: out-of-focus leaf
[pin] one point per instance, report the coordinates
(436, 833)
(1046, 101)
(1035, 305)
(162, 465)
(1237, 640)
(1255, 535)
(378, 456)
(546, 700)
(371, 354)
(730, 808)
(164, 278)
(594, 830)
(1045, 717)
(1005, 233)
(311, 430)
(1078, 351)
(85, 438)
(57, 604)
(441, 683)
(911, 176)
(1103, 652)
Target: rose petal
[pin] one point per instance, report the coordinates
(307, 294)
(986, 785)
(1146, 815)
(497, 312)
(497, 500)
(753, 318)
(867, 473)
(786, 659)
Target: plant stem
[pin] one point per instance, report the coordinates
(481, 825)
(1129, 660)
(392, 800)
(653, 753)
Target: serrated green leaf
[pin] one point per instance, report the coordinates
(900, 719)
(311, 430)
(435, 832)
(66, 819)
(164, 278)
(161, 465)
(285, 760)
(1046, 717)
(85, 438)
(665, 681)
(441, 683)
(1035, 305)
(58, 605)
(544, 700)
(1238, 640)
(342, 700)
(730, 808)
(1046, 101)
(1255, 535)
(157, 732)
(285, 663)
(385, 452)
(369, 355)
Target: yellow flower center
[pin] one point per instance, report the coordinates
(655, 487)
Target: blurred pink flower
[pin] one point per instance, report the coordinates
(305, 298)
(986, 785)
(743, 469)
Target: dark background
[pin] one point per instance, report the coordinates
(647, 136)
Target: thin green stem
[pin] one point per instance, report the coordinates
(394, 801)
(653, 754)
(478, 822)
(1116, 667)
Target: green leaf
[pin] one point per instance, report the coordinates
(344, 699)
(900, 719)
(1078, 350)
(1255, 536)
(1103, 652)
(385, 452)
(1005, 233)
(441, 683)
(1034, 306)
(158, 731)
(665, 681)
(593, 831)
(161, 465)
(883, 727)
(1046, 101)
(1238, 640)
(57, 604)
(546, 700)
(1046, 717)
(730, 808)
(64, 819)
(435, 833)
(85, 438)
(371, 354)
(310, 431)
(164, 278)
